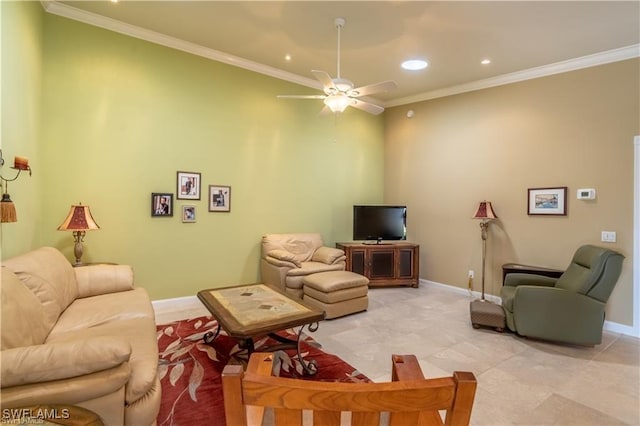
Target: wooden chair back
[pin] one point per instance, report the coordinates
(409, 399)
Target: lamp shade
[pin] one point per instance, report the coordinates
(485, 211)
(79, 219)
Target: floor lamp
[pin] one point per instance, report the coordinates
(486, 214)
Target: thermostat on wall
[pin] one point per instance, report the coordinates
(586, 194)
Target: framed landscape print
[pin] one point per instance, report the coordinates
(219, 198)
(161, 204)
(547, 201)
(188, 186)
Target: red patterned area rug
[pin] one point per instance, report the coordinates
(190, 369)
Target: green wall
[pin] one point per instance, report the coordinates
(21, 76)
(121, 116)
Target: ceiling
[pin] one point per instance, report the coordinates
(522, 39)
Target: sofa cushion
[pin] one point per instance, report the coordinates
(103, 309)
(50, 276)
(22, 314)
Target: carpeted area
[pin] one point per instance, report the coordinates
(190, 369)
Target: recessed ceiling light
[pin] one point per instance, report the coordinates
(485, 61)
(287, 57)
(414, 64)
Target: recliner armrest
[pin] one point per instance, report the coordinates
(518, 279)
(56, 361)
(328, 255)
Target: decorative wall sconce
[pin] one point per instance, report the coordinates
(79, 220)
(7, 208)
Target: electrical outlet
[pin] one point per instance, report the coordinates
(471, 273)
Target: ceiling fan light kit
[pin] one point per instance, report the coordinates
(339, 93)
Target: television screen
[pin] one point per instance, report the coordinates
(379, 222)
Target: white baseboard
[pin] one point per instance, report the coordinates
(613, 327)
(174, 304)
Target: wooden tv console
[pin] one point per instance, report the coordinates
(386, 264)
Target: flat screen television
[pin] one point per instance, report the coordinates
(378, 223)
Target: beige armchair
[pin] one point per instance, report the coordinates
(288, 258)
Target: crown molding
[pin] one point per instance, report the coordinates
(66, 11)
(593, 60)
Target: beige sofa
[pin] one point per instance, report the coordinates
(80, 336)
(288, 258)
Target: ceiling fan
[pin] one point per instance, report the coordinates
(339, 93)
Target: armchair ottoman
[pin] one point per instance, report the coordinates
(338, 293)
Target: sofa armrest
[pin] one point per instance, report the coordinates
(328, 255)
(518, 279)
(94, 280)
(56, 361)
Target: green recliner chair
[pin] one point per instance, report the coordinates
(568, 309)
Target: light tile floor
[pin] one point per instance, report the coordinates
(520, 381)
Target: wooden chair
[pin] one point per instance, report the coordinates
(409, 398)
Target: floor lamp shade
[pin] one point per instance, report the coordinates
(485, 211)
(79, 220)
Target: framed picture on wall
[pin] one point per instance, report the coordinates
(547, 201)
(188, 186)
(188, 214)
(219, 198)
(161, 204)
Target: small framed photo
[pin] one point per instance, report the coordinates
(188, 214)
(547, 201)
(219, 198)
(161, 204)
(188, 186)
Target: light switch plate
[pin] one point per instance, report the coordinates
(608, 236)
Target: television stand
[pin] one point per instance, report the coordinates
(385, 264)
(375, 243)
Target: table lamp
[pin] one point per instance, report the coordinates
(79, 220)
(486, 214)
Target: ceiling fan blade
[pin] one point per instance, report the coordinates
(302, 96)
(325, 79)
(366, 106)
(383, 86)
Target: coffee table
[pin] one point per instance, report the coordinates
(252, 310)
